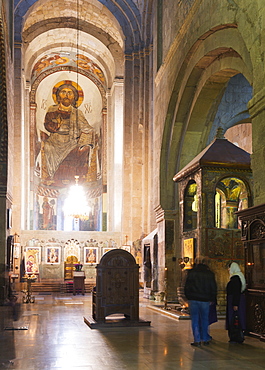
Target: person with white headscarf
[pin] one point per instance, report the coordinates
(236, 301)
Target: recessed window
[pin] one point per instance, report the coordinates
(190, 206)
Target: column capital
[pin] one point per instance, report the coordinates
(257, 104)
(164, 214)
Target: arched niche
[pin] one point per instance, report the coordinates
(231, 195)
(190, 206)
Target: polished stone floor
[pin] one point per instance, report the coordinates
(51, 334)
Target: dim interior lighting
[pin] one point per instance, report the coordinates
(165, 351)
(194, 205)
(76, 204)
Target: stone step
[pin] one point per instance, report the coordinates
(65, 287)
(68, 287)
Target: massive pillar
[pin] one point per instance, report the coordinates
(6, 161)
(257, 112)
(115, 155)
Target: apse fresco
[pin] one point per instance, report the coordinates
(67, 147)
(45, 216)
(68, 59)
(68, 140)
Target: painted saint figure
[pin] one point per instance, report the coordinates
(31, 264)
(48, 214)
(68, 128)
(91, 256)
(52, 255)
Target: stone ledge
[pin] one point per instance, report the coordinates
(114, 323)
(175, 313)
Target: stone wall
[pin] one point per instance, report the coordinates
(212, 43)
(213, 26)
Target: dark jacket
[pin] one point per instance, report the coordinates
(200, 284)
(233, 289)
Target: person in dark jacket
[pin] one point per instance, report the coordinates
(200, 289)
(236, 301)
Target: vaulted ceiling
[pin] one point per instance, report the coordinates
(107, 31)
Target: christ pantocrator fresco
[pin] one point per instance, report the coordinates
(67, 147)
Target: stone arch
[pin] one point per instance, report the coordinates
(198, 88)
(90, 47)
(105, 38)
(97, 28)
(126, 13)
(233, 107)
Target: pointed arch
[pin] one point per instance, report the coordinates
(198, 89)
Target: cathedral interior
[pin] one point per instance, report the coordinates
(134, 125)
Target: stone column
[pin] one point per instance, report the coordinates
(104, 146)
(257, 112)
(6, 138)
(134, 179)
(104, 133)
(18, 152)
(115, 155)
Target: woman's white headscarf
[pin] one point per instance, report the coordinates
(234, 269)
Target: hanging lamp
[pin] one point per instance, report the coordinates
(76, 205)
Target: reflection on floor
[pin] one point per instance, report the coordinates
(51, 334)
